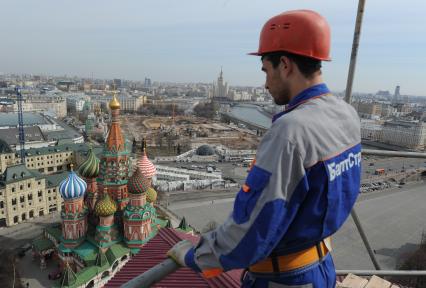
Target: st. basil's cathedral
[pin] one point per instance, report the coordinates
(108, 213)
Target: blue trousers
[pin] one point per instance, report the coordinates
(318, 275)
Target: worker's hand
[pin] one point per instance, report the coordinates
(178, 252)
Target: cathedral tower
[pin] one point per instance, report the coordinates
(74, 216)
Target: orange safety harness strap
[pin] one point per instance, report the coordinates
(278, 264)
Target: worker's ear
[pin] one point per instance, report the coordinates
(286, 66)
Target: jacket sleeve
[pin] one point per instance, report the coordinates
(261, 213)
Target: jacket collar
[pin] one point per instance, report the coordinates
(302, 97)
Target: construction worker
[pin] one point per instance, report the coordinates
(306, 177)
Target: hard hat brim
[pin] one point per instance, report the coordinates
(254, 54)
(328, 59)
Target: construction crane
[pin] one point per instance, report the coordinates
(20, 125)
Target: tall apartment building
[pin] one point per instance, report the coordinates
(220, 88)
(408, 134)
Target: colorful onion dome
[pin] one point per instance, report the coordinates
(151, 195)
(114, 104)
(72, 186)
(147, 168)
(90, 167)
(137, 184)
(106, 206)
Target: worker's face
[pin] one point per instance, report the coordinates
(277, 81)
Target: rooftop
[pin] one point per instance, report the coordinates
(29, 118)
(17, 173)
(154, 252)
(11, 135)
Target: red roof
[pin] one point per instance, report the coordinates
(155, 251)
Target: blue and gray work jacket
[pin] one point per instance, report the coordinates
(301, 189)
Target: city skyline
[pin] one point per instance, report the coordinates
(189, 41)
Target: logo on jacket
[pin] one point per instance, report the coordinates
(336, 169)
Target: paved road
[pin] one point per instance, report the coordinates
(31, 273)
(394, 223)
(20, 234)
(393, 220)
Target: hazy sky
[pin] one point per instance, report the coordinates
(189, 40)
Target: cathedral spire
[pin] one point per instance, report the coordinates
(115, 140)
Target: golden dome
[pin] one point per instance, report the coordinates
(105, 207)
(114, 104)
(151, 195)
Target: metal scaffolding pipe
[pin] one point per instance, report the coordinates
(393, 153)
(365, 239)
(153, 275)
(355, 44)
(383, 272)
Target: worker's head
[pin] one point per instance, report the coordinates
(292, 46)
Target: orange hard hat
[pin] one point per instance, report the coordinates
(302, 32)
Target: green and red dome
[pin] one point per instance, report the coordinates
(138, 184)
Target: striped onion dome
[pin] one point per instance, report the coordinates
(137, 184)
(72, 186)
(106, 206)
(151, 195)
(90, 167)
(147, 168)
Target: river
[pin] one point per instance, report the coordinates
(250, 113)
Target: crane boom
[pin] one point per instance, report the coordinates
(21, 125)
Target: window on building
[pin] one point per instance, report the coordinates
(13, 189)
(14, 201)
(50, 169)
(15, 219)
(39, 182)
(30, 196)
(50, 198)
(21, 199)
(29, 185)
(40, 194)
(21, 187)
(1, 205)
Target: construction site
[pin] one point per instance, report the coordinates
(167, 136)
